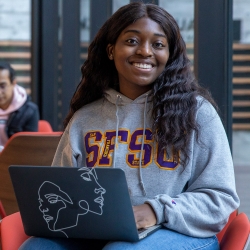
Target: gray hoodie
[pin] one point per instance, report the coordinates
(116, 131)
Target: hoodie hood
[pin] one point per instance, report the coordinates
(111, 95)
(19, 98)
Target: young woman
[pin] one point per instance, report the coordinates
(138, 107)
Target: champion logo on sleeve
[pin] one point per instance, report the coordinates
(173, 202)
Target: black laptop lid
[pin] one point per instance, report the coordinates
(74, 202)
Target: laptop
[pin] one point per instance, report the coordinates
(91, 203)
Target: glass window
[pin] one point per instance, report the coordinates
(183, 12)
(85, 20)
(116, 4)
(241, 65)
(241, 82)
(84, 28)
(241, 100)
(15, 38)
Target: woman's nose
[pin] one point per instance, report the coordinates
(145, 50)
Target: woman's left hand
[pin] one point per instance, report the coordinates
(144, 216)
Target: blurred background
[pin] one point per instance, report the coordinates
(46, 42)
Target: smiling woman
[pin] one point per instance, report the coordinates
(140, 55)
(139, 107)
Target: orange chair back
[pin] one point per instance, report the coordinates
(44, 126)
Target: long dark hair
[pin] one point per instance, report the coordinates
(174, 92)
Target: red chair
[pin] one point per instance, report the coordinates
(237, 234)
(223, 231)
(2, 211)
(234, 236)
(44, 126)
(12, 232)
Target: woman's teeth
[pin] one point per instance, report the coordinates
(142, 65)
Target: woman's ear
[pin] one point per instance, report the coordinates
(110, 49)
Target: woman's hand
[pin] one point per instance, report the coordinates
(144, 216)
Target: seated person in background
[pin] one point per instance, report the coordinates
(17, 112)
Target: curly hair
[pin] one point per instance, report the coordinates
(174, 92)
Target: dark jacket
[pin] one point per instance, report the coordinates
(24, 119)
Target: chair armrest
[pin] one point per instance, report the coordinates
(12, 232)
(237, 234)
(230, 219)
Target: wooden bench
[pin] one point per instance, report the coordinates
(24, 148)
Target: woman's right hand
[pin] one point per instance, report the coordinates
(144, 216)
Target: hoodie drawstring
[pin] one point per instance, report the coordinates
(117, 128)
(143, 137)
(142, 146)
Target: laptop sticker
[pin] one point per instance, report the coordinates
(56, 205)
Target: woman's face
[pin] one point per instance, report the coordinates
(140, 55)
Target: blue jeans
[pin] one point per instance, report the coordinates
(161, 239)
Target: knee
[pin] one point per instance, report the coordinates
(33, 243)
(121, 245)
(47, 243)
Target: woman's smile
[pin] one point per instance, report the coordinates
(143, 65)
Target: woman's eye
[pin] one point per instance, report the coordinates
(159, 45)
(131, 41)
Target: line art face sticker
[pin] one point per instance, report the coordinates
(60, 211)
